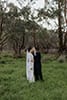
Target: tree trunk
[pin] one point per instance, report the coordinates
(65, 41)
(65, 18)
(17, 52)
(33, 35)
(60, 34)
(1, 31)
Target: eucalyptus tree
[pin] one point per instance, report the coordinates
(28, 17)
(53, 10)
(16, 29)
(17, 37)
(57, 10)
(3, 32)
(65, 24)
(62, 24)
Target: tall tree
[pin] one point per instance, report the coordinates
(3, 33)
(59, 27)
(16, 29)
(29, 18)
(56, 9)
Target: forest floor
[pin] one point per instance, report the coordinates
(14, 86)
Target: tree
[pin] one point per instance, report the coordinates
(3, 33)
(16, 29)
(27, 15)
(62, 25)
(60, 28)
(65, 18)
(58, 11)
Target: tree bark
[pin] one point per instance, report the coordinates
(60, 34)
(1, 31)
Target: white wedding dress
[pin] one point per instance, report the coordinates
(30, 67)
(27, 64)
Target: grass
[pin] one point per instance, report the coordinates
(14, 86)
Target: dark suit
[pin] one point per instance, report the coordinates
(37, 67)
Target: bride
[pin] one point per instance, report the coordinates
(30, 65)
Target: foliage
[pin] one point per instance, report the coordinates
(20, 25)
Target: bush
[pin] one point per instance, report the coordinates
(62, 58)
(48, 57)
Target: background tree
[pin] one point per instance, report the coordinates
(16, 29)
(21, 25)
(56, 12)
(3, 32)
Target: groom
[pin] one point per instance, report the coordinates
(37, 64)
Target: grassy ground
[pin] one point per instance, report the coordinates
(14, 86)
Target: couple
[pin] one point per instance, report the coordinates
(33, 64)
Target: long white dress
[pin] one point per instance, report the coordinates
(30, 67)
(27, 64)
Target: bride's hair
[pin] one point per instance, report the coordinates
(29, 49)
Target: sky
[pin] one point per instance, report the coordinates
(39, 4)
